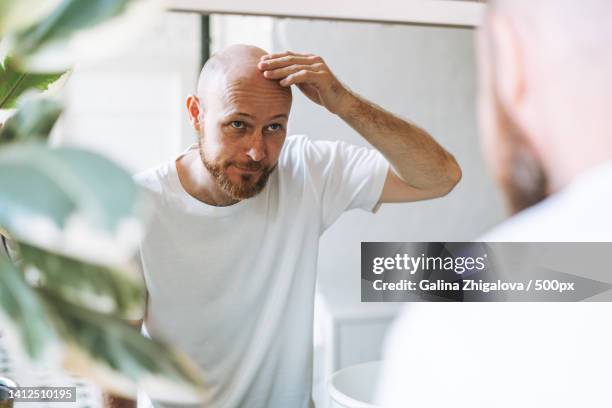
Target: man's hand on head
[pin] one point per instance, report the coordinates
(420, 168)
(309, 73)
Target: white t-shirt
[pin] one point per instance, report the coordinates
(527, 355)
(233, 287)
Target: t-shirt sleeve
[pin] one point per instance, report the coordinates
(139, 313)
(345, 177)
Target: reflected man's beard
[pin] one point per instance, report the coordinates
(247, 187)
(521, 176)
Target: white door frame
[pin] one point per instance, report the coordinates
(452, 13)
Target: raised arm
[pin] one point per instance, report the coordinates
(420, 167)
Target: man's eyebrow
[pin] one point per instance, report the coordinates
(280, 115)
(248, 115)
(242, 114)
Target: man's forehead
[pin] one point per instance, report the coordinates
(232, 81)
(234, 88)
(254, 116)
(247, 96)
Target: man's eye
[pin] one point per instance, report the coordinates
(274, 127)
(237, 124)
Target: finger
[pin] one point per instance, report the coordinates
(300, 77)
(288, 60)
(284, 54)
(286, 71)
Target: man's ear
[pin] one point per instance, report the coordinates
(194, 110)
(508, 67)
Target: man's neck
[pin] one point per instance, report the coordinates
(198, 182)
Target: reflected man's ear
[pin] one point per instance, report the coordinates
(194, 110)
(508, 62)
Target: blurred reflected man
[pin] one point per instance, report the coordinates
(545, 98)
(230, 256)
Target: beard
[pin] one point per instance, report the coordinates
(248, 186)
(521, 174)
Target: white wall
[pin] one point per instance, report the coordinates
(227, 30)
(131, 107)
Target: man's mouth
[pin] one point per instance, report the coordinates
(249, 169)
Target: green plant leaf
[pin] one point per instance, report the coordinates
(68, 18)
(22, 305)
(14, 82)
(120, 359)
(32, 122)
(20, 14)
(107, 290)
(70, 201)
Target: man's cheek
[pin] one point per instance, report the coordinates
(216, 147)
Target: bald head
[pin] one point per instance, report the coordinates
(234, 64)
(545, 92)
(240, 118)
(567, 38)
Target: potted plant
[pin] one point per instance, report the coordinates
(70, 221)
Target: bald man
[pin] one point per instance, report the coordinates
(231, 254)
(545, 96)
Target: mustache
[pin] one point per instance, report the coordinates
(250, 165)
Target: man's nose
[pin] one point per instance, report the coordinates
(257, 148)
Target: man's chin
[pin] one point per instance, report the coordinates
(236, 183)
(241, 192)
(248, 186)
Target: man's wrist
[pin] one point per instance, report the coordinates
(348, 104)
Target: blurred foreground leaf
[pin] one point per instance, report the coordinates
(83, 31)
(67, 19)
(116, 356)
(100, 288)
(20, 14)
(32, 122)
(14, 82)
(98, 346)
(69, 200)
(20, 303)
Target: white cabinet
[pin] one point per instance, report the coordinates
(346, 333)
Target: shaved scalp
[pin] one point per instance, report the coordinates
(546, 92)
(235, 107)
(575, 33)
(567, 57)
(233, 63)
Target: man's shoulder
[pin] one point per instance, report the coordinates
(580, 213)
(294, 153)
(294, 148)
(303, 151)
